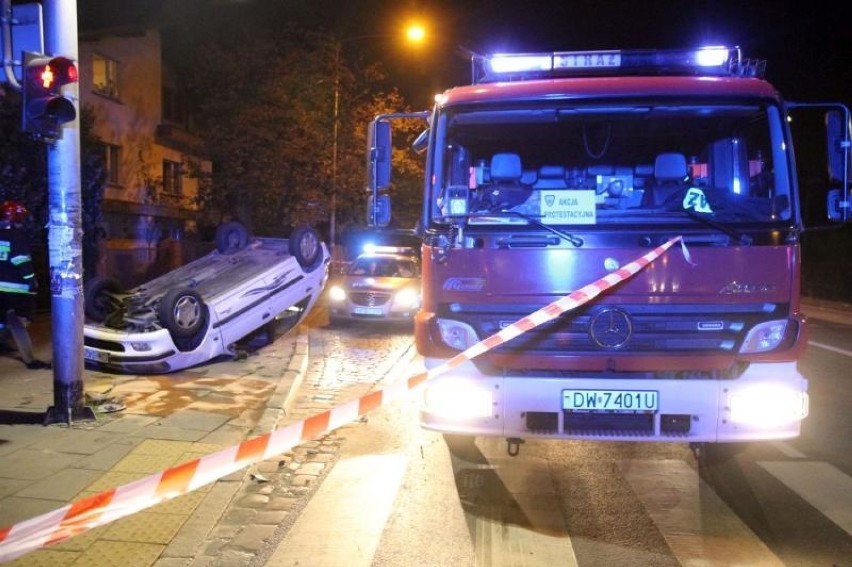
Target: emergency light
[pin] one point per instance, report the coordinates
(710, 60)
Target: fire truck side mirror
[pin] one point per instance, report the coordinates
(838, 146)
(837, 205)
(380, 154)
(378, 210)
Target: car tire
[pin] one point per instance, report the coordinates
(231, 237)
(306, 247)
(183, 313)
(99, 298)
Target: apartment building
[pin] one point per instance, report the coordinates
(149, 208)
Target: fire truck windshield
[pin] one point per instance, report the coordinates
(580, 164)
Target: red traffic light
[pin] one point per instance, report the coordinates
(45, 108)
(50, 73)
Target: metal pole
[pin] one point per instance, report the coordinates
(6, 47)
(333, 220)
(65, 233)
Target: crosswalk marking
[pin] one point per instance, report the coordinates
(537, 535)
(788, 450)
(344, 522)
(823, 486)
(698, 526)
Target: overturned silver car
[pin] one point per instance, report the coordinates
(199, 311)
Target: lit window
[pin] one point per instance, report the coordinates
(105, 76)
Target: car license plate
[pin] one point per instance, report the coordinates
(610, 400)
(369, 311)
(94, 355)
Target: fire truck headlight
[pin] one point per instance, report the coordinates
(458, 401)
(407, 298)
(765, 336)
(457, 334)
(336, 293)
(768, 405)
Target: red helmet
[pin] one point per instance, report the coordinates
(13, 212)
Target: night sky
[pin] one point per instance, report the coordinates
(808, 50)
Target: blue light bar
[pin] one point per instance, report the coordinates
(714, 60)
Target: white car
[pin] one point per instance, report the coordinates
(382, 285)
(199, 311)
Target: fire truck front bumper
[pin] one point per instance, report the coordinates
(768, 401)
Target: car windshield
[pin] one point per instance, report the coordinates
(383, 268)
(635, 164)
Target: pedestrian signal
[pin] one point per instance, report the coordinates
(45, 108)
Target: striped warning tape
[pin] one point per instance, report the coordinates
(110, 505)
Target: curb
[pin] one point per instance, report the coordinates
(281, 401)
(189, 540)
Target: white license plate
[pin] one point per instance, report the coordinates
(94, 355)
(369, 311)
(611, 400)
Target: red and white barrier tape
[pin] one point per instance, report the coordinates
(110, 505)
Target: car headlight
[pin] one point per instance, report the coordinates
(765, 336)
(407, 298)
(457, 334)
(140, 346)
(336, 293)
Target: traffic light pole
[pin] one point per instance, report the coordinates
(65, 233)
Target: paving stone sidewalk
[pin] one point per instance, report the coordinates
(164, 421)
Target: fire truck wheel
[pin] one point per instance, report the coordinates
(182, 311)
(715, 454)
(231, 237)
(305, 247)
(99, 298)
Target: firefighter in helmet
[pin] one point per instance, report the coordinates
(17, 280)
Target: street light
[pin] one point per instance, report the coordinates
(415, 33)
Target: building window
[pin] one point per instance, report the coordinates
(105, 76)
(172, 178)
(174, 107)
(111, 155)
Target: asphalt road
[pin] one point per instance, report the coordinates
(394, 496)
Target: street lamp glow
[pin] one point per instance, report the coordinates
(415, 33)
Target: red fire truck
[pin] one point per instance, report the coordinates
(554, 171)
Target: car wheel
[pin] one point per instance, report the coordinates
(99, 298)
(183, 313)
(231, 237)
(305, 247)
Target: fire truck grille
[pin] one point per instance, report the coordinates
(638, 329)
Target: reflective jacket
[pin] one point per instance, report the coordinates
(16, 263)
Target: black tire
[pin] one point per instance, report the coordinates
(99, 298)
(306, 247)
(182, 311)
(231, 237)
(716, 454)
